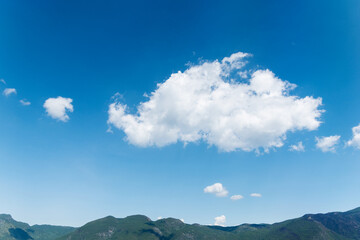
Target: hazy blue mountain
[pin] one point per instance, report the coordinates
(14, 230)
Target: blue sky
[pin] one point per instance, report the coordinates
(70, 171)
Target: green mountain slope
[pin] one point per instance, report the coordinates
(14, 230)
(330, 226)
(344, 223)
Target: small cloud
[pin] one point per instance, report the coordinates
(299, 147)
(109, 130)
(216, 189)
(24, 102)
(57, 108)
(236, 197)
(327, 144)
(220, 221)
(117, 96)
(258, 195)
(3, 81)
(355, 141)
(181, 219)
(244, 74)
(8, 91)
(159, 218)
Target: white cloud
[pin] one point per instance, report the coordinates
(208, 103)
(327, 144)
(24, 102)
(8, 91)
(220, 220)
(297, 147)
(3, 81)
(181, 219)
(233, 62)
(57, 108)
(236, 197)
(216, 189)
(256, 195)
(159, 218)
(243, 74)
(355, 141)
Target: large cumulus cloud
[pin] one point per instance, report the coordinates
(210, 102)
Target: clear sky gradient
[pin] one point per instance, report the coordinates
(69, 173)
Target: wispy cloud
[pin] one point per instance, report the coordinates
(327, 144)
(218, 189)
(258, 195)
(204, 104)
(299, 147)
(57, 108)
(3, 81)
(24, 102)
(236, 197)
(8, 91)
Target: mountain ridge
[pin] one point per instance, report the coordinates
(11, 229)
(328, 226)
(320, 226)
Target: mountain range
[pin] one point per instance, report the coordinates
(329, 226)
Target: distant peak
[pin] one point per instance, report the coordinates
(6, 217)
(355, 210)
(171, 220)
(138, 217)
